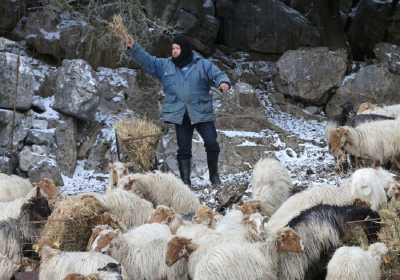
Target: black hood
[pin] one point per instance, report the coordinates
(186, 55)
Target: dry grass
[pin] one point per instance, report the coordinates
(390, 235)
(117, 26)
(139, 139)
(70, 225)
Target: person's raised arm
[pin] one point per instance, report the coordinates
(150, 64)
(218, 78)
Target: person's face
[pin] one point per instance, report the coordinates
(176, 50)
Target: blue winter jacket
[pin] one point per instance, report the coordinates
(184, 90)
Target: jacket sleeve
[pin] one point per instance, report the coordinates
(150, 64)
(214, 74)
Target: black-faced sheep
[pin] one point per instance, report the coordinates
(14, 233)
(366, 184)
(271, 185)
(354, 263)
(162, 189)
(321, 230)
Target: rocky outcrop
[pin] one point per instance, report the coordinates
(310, 75)
(388, 55)
(76, 92)
(373, 83)
(265, 26)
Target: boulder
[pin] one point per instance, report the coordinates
(10, 13)
(373, 83)
(388, 55)
(30, 156)
(46, 168)
(9, 46)
(76, 92)
(310, 74)
(67, 35)
(325, 15)
(265, 26)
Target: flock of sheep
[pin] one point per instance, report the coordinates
(151, 226)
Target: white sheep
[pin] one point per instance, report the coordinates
(369, 108)
(271, 184)
(233, 260)
(13, 187)
(7, 268)
(57, 265)
(354, 263)
(127, 207)
(15, 232)
(143, 252)
(236, 225)
(117, 171)
(366, 184)
(12, 209)
(377, 141)
(162, 189)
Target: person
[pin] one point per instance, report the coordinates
(186, 78)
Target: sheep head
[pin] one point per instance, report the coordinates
(46, 252)
(117, 170)
(177, 248)
(250, 207)
(162, 215)
(101, 238)
(48, 188)
(37, 207)
(289, 241)
(337, 139)
(394, 190)
(255, 223)
(365, 106)
(205, 215)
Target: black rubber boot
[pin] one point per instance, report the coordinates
(212, 162)
(185, 169)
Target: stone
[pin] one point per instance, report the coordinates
(30, 156)
(243, 26)
(40, 137)
(310, 74)
(76, 90)
(23, 122)
(46, 168)
(66, 140)
(388, 55)
(373, 83)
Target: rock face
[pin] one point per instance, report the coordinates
(265, 26)
(369, 26)
(10, 13)
(8, 82)
(76, 92)
(23, 122)
(66, 139)
(373, 83)
(388, 55)
(65, 35)
(310, 74)
(325, 15)
(194, 18)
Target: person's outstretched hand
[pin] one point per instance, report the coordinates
(224, 87)
(129, 42)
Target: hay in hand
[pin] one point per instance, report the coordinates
(139, 139)
(118, 27)
(70, 225)
(390, 235)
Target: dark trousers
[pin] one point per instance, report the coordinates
(184, 134)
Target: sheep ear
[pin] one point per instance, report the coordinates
(191, 247)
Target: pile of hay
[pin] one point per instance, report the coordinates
(70, 225)
(139, 139)
(390, 235)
